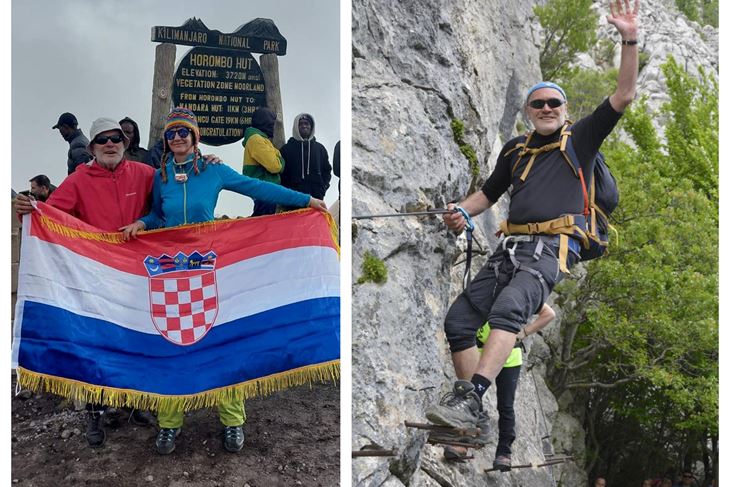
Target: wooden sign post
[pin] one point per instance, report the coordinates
(218, 79)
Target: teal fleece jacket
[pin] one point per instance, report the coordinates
(193, 201)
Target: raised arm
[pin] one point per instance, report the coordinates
(626, 21)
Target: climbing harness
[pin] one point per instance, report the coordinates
(469, 237)
(591, 227)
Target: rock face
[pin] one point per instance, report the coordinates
(418, 65)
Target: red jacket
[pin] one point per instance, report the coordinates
(106, 199)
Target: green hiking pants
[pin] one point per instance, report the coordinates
(230, 413)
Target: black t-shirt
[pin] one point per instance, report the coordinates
(551, 188)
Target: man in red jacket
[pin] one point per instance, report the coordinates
(107, 192)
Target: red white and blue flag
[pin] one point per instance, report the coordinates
(195, 314)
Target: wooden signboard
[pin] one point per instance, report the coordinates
(223, 88)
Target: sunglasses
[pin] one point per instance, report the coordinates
(182, 132)
(102, 139)
(551, 102)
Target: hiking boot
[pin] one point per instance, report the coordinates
(503, 463)
(112, 418)
(455, 453)
(233, 438)
(95, 434)
(141, 418)
(165, 442)
(480, 440)
(457, 409)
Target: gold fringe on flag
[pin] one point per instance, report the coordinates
(263, 386)
(204, 227)
(108, 237)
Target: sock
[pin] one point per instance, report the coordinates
(481, 384)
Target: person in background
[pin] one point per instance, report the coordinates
(261, 160)
(600, 482)
(41, 187)
(78, 152)
(154, 154)
(134, 152)
(307, 167)
(688, 479)
(336, 165)
(185, 191)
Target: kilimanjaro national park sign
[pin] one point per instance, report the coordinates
(259, 35)
(219, 80)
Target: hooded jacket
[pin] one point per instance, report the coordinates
(134, 152)
(307, 167)
(106, 199)
(77, 152)
(261, 160)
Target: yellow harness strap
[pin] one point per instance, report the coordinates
(534, 153)
(563, 254)
(564, 226)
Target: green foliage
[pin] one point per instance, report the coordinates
(570, 28)
(692, 141)
(373, 270)
(644, 357)
(604, 52)
(643, 60)
(586, 89)
(457, 127)
(705, 12)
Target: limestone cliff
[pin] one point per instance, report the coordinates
(418, 65)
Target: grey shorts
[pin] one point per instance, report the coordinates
(503, 296)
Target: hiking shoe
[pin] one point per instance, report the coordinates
(503, 463)
(165, 442)
(233, 438)
(480, 440)
(95, 434)
(112, 418)
(455, 453)
(457, 409)
(141, 418)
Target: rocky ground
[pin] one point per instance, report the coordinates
(292, 439)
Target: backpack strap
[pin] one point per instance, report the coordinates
(568, 151)
(533, 155)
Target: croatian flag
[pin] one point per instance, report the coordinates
(189, 316)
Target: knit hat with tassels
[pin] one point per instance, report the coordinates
(186, 118)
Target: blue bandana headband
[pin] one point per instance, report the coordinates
(545, 84)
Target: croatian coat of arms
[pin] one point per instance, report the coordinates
(183, 295)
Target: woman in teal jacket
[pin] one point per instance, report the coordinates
(185, 190)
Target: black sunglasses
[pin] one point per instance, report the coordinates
(551, 102)
(182, 132)
(102, 139)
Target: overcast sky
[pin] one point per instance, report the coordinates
(95, 58)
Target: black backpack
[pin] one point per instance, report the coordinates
(602, 199)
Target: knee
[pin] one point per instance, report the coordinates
(460, 329)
